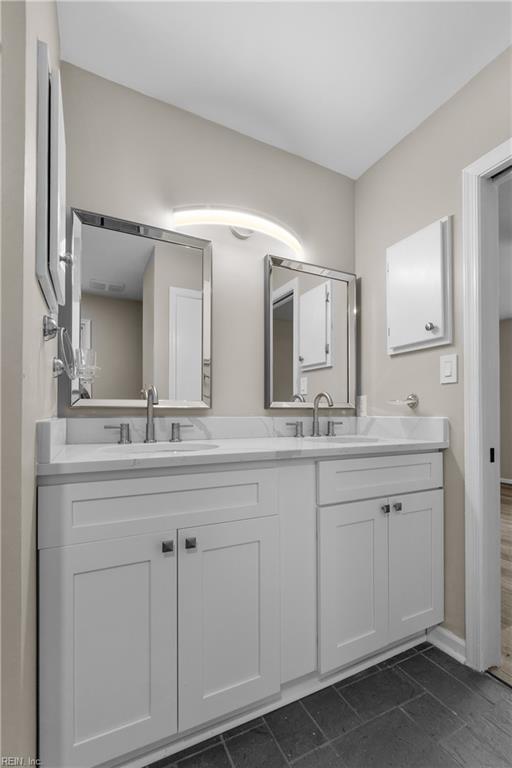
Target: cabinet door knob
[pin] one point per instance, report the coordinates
(397, 506)
(385, 509)
(168, 546)
(191, 542)
(429, 326)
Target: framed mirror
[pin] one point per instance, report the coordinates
(140, 299)
(50, 184)
(310, 334)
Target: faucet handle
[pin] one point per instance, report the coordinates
(176, 428)
(331, 427)
(299, 427)
(124, 432)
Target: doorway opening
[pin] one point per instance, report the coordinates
(481, 265)
(503, 181)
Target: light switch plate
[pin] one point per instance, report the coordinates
(448, 369)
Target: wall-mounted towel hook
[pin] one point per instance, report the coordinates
(411, 400)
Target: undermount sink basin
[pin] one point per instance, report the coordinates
(143, 448)
(343, 439)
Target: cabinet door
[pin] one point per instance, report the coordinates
(418, 280)
(107, 648)
(229, 638)
(353, 608)
(415, 562)
(315, 327)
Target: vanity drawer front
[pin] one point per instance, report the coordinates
(81, 512)
(353, 479)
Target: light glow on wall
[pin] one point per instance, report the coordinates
(184, 217)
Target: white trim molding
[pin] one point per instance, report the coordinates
(448, 642)
(481, 406)
(291, 287)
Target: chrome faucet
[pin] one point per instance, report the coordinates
(151, 395)
(316, 403)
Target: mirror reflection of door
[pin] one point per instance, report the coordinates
(144, 300)
(285, 319)
(185, 334)
(311, 332)
(315, 327)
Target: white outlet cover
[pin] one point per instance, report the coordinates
(448, 369)
(303, 385)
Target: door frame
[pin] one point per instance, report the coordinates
(290, 288)
(481, 406)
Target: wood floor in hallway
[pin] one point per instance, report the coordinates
(505, 670)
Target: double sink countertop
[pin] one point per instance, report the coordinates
(87, 457)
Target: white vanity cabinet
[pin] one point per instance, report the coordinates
(380, 559)
(108, 637)
(353, 589)
(174, 605)
(416, 568)
(125, 615)
(228, 618)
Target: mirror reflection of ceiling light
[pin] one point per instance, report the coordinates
(240, 220)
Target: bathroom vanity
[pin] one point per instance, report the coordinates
(186, 586)
(184, 591)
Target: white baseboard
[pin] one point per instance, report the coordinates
(505, 481)
(448, 642)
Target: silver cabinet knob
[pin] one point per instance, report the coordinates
(385, 508)
(191, 542)
(429, 326)
(397, 506)
(168, 546)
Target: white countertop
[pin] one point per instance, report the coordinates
(105, 457)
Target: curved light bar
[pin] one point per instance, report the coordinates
(234, 218)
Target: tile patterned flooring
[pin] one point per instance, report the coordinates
(420, 709)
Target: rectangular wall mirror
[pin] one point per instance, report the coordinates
(310, 334)
(141, 300)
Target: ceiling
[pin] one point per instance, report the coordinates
(116, 260)
(338, 83)
(113, 263)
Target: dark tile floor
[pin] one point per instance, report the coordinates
(420, 709)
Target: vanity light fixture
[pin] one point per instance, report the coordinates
(241, 233)
(231, 217)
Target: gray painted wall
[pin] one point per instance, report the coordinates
(28, 389)
(417, 182)
(135, 157)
